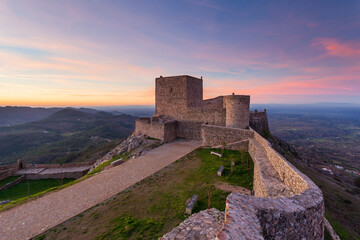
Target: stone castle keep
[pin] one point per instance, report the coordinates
(286, 203)
(180, 111)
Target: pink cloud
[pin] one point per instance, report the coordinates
(336, 48)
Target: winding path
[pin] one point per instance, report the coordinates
(37, 216)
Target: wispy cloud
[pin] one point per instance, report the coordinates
(335, 47)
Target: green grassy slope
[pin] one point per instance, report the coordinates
(30, 187)
(156, 205)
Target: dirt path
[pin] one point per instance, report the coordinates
(37, 216)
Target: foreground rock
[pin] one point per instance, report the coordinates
(203, 225)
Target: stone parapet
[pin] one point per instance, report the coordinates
(13, 183)
(212, 135)
(291, 176)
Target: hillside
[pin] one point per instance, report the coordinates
(66, 136)
(342, 200)
(10, 116)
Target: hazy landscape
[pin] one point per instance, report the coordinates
(68, 135)
(322, 135)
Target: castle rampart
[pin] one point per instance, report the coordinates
(286, 204)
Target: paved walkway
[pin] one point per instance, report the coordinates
(37, 216)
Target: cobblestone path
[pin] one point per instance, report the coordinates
(37, 216)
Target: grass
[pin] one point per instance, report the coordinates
(20, 201)
(30, 187)
(126, 226)
(156, 205)
(8, 180)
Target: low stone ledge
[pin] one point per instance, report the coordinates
(13, 183)
(191, 204)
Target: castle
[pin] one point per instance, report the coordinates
(286, 203)
(180, 111)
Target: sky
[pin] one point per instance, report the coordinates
(109, 52)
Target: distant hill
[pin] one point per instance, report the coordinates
(68, 135)
(10, 116)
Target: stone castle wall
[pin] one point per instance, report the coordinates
(237, 111)
(216, 116)
(7, 171)
(212, 135)
(189, 130)
(287, 173)
(173, 95)
(214, 102)
(259, 121)
(194, 96)
(286, 205)
(165, 131)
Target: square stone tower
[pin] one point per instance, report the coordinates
(173, 95)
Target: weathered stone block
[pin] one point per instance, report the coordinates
(191, 204)
(117, 162)
(217, 154)
(219, 172)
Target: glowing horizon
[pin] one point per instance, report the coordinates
(108, 53)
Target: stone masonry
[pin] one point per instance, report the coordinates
(180, 111)
(286, 204)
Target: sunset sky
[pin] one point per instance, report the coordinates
(89, 53)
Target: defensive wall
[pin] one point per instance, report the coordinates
(286, 204)
(7, 170)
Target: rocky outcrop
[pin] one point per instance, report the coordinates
(134, 146)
